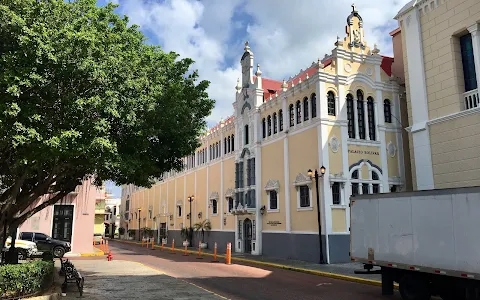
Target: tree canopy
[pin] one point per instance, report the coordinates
(81, 95)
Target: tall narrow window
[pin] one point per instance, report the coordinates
(299, 112)
(230, 203)
(313, 101)
(228, 144)
(273, 199)
(305, 109)
(336, 193)
(360, 115)
(469, 76)
(304, 196)
(371, 118)
(264, 129)
(225, 146)
(274, 122)
(214, 206)
(246, 135)
(269, 125)
(292, 115)
(387, 111)
(233, 142)
(331, 103)
(280, 120)
(350, 117)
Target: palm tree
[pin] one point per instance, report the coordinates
(203, 226)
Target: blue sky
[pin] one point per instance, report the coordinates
(285, 36)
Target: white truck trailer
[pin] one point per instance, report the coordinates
(426, 241)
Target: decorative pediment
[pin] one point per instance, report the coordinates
(272, 185)
(229, 193)
(302, 179)
(213, 196)
(179, 202)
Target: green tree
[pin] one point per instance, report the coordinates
(83, 96)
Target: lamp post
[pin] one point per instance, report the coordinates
(316, 175)
(139, 235)
(190, 235)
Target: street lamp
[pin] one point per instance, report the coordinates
(316, 175)
(190, 235)
(139, 211)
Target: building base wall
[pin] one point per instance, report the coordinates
(293, 246)
(339, 246)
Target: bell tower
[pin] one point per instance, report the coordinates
(247, 67)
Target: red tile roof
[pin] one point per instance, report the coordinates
(271, 86)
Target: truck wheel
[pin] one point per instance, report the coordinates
(414, 288)
(22, 254)
(58, 251)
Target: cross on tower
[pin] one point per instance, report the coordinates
(354, 8)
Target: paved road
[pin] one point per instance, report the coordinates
(244, 281)
(130, 280)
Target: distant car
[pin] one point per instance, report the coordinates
(25, 248)
(46, 243)
(97, 238)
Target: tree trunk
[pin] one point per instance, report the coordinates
(12, 255)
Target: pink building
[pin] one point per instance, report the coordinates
(71, 219)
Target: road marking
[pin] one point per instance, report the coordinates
(324, 283)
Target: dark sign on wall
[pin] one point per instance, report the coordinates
(274, 223)
(363, 152)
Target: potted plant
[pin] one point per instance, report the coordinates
(121, 231)
(186, 234)
(131, 234)
(201, 227)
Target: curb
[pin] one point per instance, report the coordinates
(279, 266)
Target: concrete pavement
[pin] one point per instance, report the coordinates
(245, 281)
(121, 279)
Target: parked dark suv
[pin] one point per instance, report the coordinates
(46, 243)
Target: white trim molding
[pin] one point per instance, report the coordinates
(303, 180)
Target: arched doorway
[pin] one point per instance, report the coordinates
(247, 235)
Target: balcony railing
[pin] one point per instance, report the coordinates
(471, 99)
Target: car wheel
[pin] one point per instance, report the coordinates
(22, 254)
(58, 251)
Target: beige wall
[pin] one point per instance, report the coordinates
(455, 155)
(441, 28)
(303, 150)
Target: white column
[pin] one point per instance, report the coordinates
(376, 118)
(365, 118)
(475, 32)
(355, 117)
(383, 142)
(207, 195)
(418, 96)
(286, 179)
(221, 197)
(258, 185)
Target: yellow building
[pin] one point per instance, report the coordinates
(441, 54)
(250, 176)
(99, 225)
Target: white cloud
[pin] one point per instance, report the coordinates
(285, 36)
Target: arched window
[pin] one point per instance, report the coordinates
(274, 122)
(233, 142)
(313, 101)
(229, 144)
(360, 115)
(331, 103)
(350, 117)
(269, 125)
(299, 112)
(218, 150)
(305, 109)
(280, 120)
(225, 146)
(264, 128)
(371, 118)
(387, 111)
(292, 115)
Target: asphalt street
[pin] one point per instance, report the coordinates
(243, 281)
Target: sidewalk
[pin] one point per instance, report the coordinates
(120, 279)
(343, 271)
